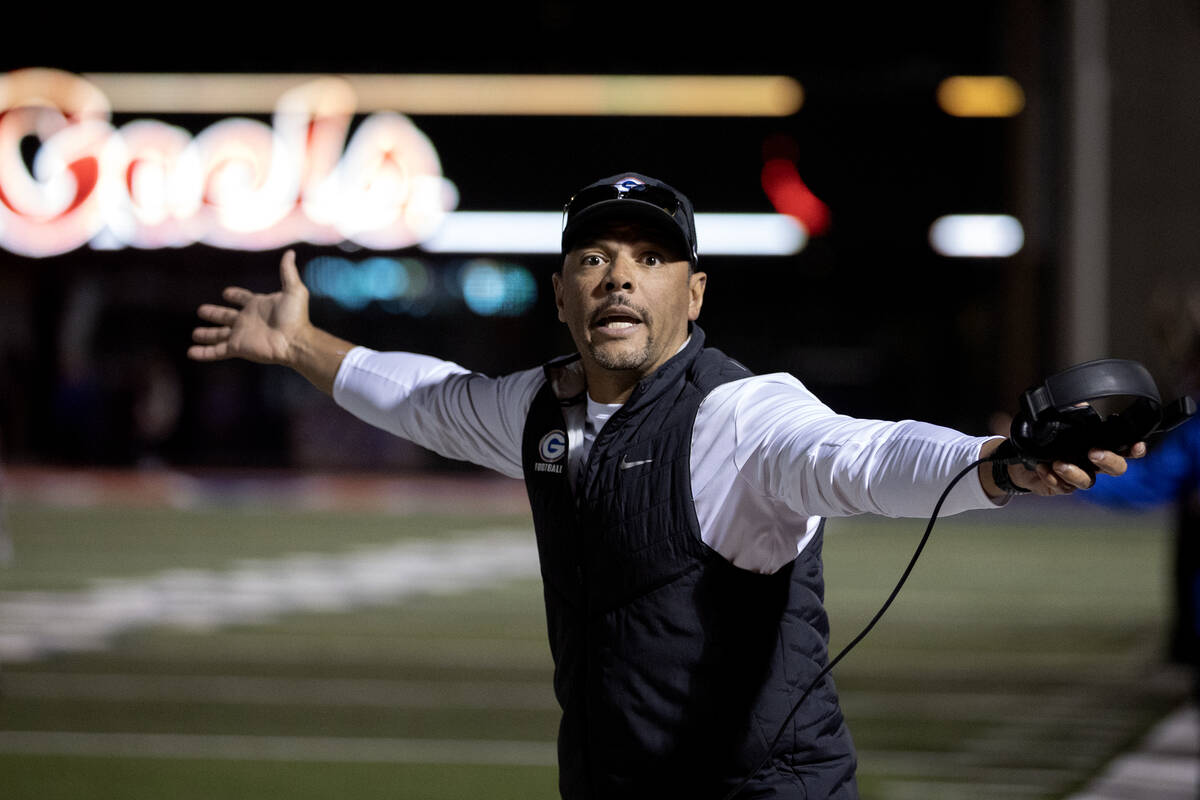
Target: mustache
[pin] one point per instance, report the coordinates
(619, 301)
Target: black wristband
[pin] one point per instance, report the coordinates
(1004, 480)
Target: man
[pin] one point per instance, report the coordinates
(678, 503)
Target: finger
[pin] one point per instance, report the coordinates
(214, 352)
(1047, 477)
(1138, 450)
(237, 295)
(1072, 476)
(289, 276)
(222, 315)
(1108, 462)
(210, 335)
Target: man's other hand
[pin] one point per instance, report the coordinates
(256, 327)
(270, 329)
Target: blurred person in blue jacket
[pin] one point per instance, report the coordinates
(1170, 473)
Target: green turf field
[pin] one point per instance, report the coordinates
(1018, 659)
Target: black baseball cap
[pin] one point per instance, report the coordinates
(631, 196)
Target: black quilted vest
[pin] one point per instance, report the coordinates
(674, 669)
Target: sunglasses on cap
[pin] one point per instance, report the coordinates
(662, 198)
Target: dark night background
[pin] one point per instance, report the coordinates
(867, 315)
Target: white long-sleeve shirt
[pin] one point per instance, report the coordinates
(768, 458)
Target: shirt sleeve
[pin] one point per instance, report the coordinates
(795, 449)
(439, 405)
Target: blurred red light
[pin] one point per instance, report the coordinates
(789, 194)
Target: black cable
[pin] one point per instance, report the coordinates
(863, 633)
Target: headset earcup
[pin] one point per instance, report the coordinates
(1021, 432)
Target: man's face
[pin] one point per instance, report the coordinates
(627, 296)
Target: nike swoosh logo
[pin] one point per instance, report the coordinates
(626, 463)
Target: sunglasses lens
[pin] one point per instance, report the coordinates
(598, 194)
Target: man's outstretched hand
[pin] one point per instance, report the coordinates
(1061, 477)
(270, 329)
(261, 327)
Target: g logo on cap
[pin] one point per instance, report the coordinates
(553, 446)
(628, 184)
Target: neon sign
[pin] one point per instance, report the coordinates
(238, 184)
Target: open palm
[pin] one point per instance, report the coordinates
(261, 328)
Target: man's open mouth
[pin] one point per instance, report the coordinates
(616, 319)
(617, 323)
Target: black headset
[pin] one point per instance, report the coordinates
(1060, 420)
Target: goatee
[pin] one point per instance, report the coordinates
(621, 360)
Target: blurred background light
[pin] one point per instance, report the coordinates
(497, 232)
(67, 179)
(535, 232)
(411, 287)
(977, 235)
(493, 289)
(354, 285)
(584, 95)
(980, 96)
(789, 194)
(749, 235)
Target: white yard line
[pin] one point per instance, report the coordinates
(279, 748)
(340, 692)
(269, 648)
(36, 624)
(1145, 776)
(1164, 766)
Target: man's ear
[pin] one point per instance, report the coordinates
(697, 282)
(556, 279)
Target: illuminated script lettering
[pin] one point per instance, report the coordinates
(69, 177)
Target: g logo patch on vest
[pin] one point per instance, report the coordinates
(551, 448)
